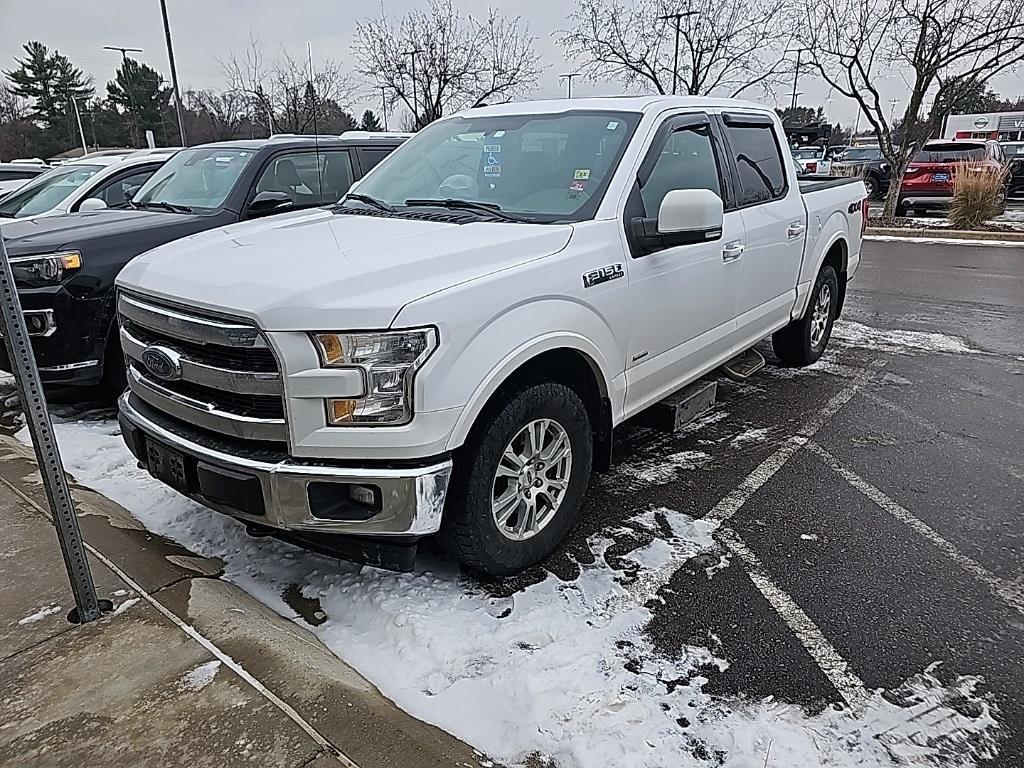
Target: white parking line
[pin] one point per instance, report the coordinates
(1002, 590)
(828, 659)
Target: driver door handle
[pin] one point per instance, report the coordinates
(732, 250)
(796, 229)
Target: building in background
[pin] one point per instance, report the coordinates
(1000, 126)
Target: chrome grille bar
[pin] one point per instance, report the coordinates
(186, 326)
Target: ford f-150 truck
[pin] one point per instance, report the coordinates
(447, 351)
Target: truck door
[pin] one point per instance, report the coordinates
(683, 297)
(774, 220)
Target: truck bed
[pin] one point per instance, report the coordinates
(818, 183)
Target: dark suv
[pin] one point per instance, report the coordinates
(869, 162)
(65, 265)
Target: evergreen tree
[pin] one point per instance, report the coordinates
(370, 122)
(137, 92)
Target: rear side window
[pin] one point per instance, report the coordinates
(370, 157)
(758, 162)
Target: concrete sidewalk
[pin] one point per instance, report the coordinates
(189, 670)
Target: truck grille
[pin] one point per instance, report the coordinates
(211, 372)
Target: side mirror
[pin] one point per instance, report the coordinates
(92, 204)
(686, 216)
(269, 202)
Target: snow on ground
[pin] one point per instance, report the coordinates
(39, 615)
(560, 669)
(855, 334)
(199, 677)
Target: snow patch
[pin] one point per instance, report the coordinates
(199, 677)
(656, 470)
(125, 605)
(857, 335)
(559, 669)
(751, 436)
(809, 536)
(39, 615)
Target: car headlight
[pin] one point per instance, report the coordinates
(45, 269)
(389, 361)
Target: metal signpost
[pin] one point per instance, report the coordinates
(26, 377)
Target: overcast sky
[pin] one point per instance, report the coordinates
(205, 31)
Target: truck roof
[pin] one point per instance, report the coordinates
(285, 140)
(652, 103)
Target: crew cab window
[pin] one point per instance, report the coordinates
(370, 157)
(117, 191)
(687, 161)
(758, 163)
(301, 174)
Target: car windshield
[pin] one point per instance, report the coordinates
(540, 168)
(950, 153)
(866, 153)
(46, 191)
(807, 153)
(194, 178)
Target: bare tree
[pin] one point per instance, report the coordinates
(459, 61)
(279, 91)
(940, 47)
(225, 112)
(725, 46)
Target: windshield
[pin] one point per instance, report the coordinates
(46, 191)
(541, 168)
(809, 153)
(866, 153)
(950, 153)
(195, 178)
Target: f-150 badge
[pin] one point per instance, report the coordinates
(603, 275)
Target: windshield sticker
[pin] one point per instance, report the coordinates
(498, 134)
(578, 186)
(492, 160)
(581, 174)
(612, 125)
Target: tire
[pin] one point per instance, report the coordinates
(803, 341)
(873, 186)
(470, 528)
(115, 377)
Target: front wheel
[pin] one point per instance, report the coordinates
(803, 341)
(519, 481)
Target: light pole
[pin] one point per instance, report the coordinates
(568, 76)
(384, 105)
(892, 109)
(675, 56)
(128, 85)
(81, 131)
(796, 77)
(174, 73)
(412, 53)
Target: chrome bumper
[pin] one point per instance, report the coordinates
(411, 499)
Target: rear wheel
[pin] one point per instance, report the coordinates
(803, 341)
(873, 186)
(520, 481)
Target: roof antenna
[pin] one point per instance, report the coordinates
(316, 131)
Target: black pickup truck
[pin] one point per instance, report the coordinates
(869, 162)
(65, 265)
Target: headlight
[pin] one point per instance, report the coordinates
(45, 269)
(389, 361)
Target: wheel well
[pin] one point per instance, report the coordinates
(838, 257)
(575, 370)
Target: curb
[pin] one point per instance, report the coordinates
(951, 235)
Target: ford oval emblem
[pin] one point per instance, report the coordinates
(162, 362)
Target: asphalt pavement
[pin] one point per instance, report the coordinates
(876, 526)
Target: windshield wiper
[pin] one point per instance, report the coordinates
(380, 205)
(465, 205)
(172, 207)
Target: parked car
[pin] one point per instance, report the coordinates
(1013, 151)
(448, 351)
(812, 160)
(928, 181)
(65, 265)
(15, 175)
(870, 164)
(90, 183)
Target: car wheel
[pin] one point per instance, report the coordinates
(115, 376)
(519, 481)
(874, 188)
(803, 341)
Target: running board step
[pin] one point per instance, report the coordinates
(681, 407)
(743, 366)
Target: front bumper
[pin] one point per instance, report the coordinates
(259, 487)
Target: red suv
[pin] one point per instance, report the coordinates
(928, 182)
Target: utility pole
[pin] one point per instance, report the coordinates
(415, 103)
(675, 56)
(81, 131)
(174, 73)
(892, 110)
(384, 105)
(568, 76)
(128, 85)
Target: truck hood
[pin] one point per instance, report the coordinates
(321, 271)
(49, 233)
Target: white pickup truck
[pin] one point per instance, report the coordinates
(448, 350)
